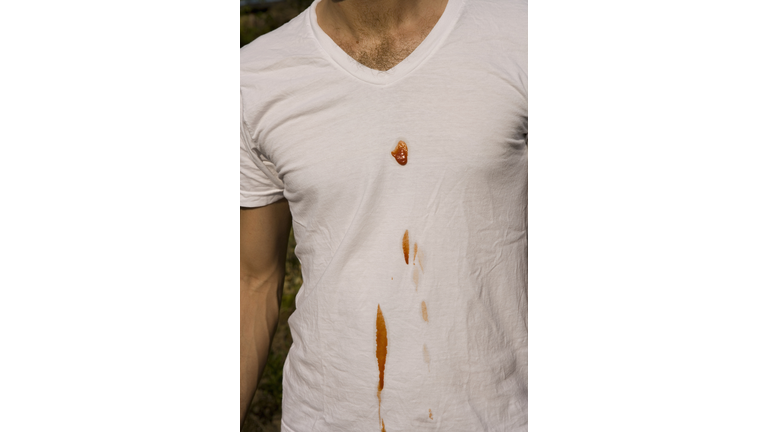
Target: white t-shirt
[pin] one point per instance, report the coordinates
(319, 129)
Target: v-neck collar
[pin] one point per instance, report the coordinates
(372, 76)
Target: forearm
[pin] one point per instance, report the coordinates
(264, 235)
(259, 312)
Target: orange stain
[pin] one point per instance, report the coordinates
(424, 311)
(421, 260)
(430, 415)
(416, 278)
(400, 153)
(406, 246)
(415, 251)
(381, 345)
(381, 354)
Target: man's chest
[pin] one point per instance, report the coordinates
(467, 122)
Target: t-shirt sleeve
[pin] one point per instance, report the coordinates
(256, 187)
(259, 181)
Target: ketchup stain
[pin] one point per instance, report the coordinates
(424, 311)
(406, 246)
(381, 355)
(400, 153)
(430, 415)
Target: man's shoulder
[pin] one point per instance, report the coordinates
(291, 40)
(506, 11)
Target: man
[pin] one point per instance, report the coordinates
(393, 133)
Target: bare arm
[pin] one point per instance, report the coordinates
(263, 244)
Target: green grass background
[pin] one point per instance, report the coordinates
(265, 412)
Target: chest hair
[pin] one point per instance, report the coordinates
(382, 54)
(381, 50)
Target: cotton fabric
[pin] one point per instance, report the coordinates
(317, 129)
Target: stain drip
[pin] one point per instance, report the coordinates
(406, 246)
(430, 415)
(424, 311)
(417, 255)
(400, 153)
(420, 258)
(381, 355)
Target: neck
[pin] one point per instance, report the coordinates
(378, 33)
(377, 19)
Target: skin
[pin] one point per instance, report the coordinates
(263, 245)
(379, 33)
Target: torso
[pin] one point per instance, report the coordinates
(454, 311)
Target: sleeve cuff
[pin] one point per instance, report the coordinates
(250, 199)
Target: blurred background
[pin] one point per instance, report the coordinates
(256, 18)
(261, 16)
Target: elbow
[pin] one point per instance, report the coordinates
(261, 290)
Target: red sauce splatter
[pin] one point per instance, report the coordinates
(424, 311)
(400, 153)
(381, 354)
(406, 246)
